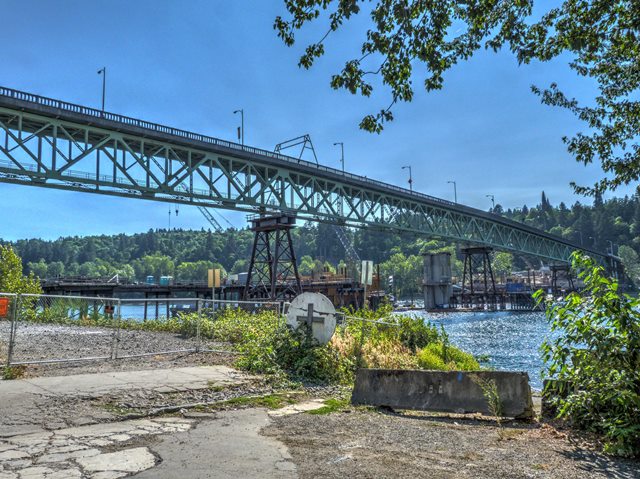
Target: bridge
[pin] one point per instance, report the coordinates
(54, 144)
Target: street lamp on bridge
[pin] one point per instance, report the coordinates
(241, 129)
(341, 153)
(103, 72)
(493, 202)
(455, 191)
(410, 177)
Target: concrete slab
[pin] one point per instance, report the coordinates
(176, 378)
(129, 461)
(298, 408)
(443, 391)
(19, 399)
(233, 448)
(91, 447)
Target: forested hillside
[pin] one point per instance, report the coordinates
(187, 255)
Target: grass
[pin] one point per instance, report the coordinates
(13, 372)
(331, 405)
(265, 346)
(441, 356)
(270, 401)
(215, 387)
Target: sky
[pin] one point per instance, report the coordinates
(190, 64)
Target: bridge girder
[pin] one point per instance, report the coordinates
(94, 153)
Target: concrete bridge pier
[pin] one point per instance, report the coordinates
(437, 286)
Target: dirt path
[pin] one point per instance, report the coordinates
(371, 444)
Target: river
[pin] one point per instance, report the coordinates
(510, 340)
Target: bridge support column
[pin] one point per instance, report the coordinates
(437, 285)
(478, 282)
(558, 272)
(273, 271)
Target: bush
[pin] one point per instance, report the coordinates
(598, 354)
(443, 356)
(416, 333)
(428, 358)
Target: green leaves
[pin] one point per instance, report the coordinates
(426, 38)
(11, 278)
(598, 353)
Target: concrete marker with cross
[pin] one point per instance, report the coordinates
(317, 312)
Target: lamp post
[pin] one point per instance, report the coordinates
(493, 202)
(241, 130)
(594, 241)
(581, 242)
(410, 177)
(611, 245)
(455, 191)
(103, 72)
(341, 153)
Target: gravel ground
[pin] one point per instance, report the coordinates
(374, 444)
(37, 342)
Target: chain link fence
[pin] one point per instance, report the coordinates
(54, 329)
(7, 315)
(47, 329)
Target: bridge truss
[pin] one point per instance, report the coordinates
(54, 144)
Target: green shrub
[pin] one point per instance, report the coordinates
(598, 353)
(443, 356)
(416, 333)
(430, 359)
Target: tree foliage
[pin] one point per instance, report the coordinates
(11, 278)
(597, 355)
(187, 254)
(600, 38)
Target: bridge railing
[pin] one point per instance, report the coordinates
(379, 185)
(93, 112)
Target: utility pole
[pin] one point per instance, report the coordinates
(455, 191)
(493, 202)
(241, 129)
(410, 177)
(341, 153)
(103, 72)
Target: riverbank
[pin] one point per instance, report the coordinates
(218, 423)
(358, 443)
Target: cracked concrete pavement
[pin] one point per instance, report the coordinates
(86, 451)
(26, 404)
(36, 443)
(229, 446)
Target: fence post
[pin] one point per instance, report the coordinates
(361, 345)
(12, 329)
(116, 334)
(198, 326)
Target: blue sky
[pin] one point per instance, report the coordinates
(189, 64)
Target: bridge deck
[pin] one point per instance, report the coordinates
(254, 179)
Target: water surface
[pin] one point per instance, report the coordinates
(511, 340)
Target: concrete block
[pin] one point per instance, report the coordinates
(442, 391)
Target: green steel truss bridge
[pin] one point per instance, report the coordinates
(54, 144)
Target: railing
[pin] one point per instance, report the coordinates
(92, 112)
(83, 110)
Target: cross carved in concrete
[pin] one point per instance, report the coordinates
(309, 319)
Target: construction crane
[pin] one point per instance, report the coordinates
(304, 140)
(352, 254)
(341, 231)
